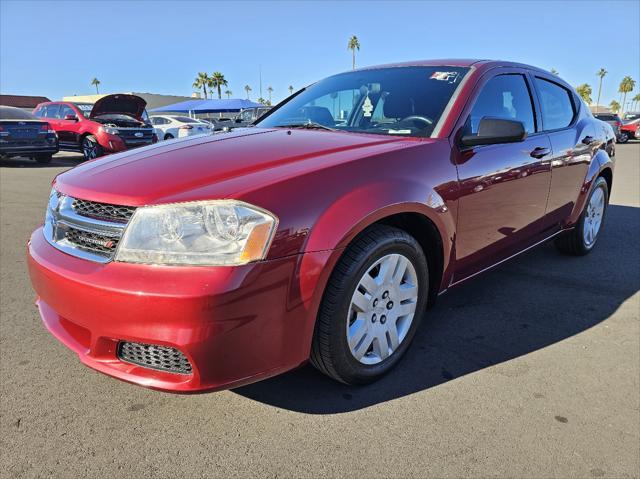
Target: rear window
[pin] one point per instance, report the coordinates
(185, 119)
(8, 113)
(557, 107)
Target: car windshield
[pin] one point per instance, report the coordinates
(400, 101)
(85, 108)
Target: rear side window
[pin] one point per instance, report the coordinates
(52, 111)
(506, 97)
(557, 107)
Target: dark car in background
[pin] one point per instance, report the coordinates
(249, 115)
(22, 134)
(612, 119)
(111, 124)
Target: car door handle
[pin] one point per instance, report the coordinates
(540, 152)
(587, 140)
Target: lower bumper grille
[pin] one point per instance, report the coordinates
(151, 356)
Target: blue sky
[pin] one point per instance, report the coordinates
(56, 48)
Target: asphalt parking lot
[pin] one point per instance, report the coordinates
(531, 371)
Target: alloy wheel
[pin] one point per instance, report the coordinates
(593, 217)
(382, 309)
(89, 149)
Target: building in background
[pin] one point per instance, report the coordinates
(25, 102)
(153, 100)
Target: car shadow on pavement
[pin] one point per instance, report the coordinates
(530, 303)
(56, 162)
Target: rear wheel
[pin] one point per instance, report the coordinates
(43, 159)
(91, 149)
(168, 136)
(583, 237)
(372, 306)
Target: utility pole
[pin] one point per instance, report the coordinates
(260, 66)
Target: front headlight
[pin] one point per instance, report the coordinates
(110, 131)
(211, 233)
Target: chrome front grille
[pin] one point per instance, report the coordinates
(152, 356)
(85, 229)
(103, 211)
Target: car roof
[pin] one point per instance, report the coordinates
(458, 62)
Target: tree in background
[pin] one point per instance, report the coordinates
(636, 100)
(290, 89)
(601, 73)
(247, 88)
(95, 82)
(228, 93)
(263, 101)
(555, 72)
(585, 91)
(217, 81)
(353, 45)
(614, 106)
(270, 91)
(626, 86)
(202, 81)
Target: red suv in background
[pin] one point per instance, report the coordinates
(114, 123)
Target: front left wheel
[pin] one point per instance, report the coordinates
(372, 306)
(91, 149)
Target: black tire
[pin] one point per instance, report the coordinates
(168, 136)
(91, 149)
(573, 242)
(623, 137)
(43, 159)
(330, 351)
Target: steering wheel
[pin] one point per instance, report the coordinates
(423, 119)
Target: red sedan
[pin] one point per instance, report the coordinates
(322, 233)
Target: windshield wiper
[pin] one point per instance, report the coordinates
(309, 125)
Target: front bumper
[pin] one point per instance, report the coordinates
(235, 325)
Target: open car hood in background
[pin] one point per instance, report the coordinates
(119, 103)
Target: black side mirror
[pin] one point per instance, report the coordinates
(492, 131)
(71, 117)
(238, 120)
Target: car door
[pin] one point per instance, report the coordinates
(67, 131)
(503, 187)
(573, 144)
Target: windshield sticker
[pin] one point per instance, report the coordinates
(399, 132)
(367, 106)
(85, 107)
(450, 77)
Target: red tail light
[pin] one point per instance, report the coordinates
(186, 127)
(618, 123)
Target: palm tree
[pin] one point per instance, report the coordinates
(270, 91)
(228, 93)
(601, 73)
(95, 82)
(247, 88)
(626, 86)
(290, 89)
(584, 91)
(636, 100)
(217, 81)
(202, 81)
(614, 106)
(353, 45)
(555, 72)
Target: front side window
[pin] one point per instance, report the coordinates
(505, 97)
(66, 110)
(555, 102)
(401, 101)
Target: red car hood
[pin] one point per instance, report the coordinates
(217, 166)
(121, 104)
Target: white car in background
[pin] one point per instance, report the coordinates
(174, 126)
